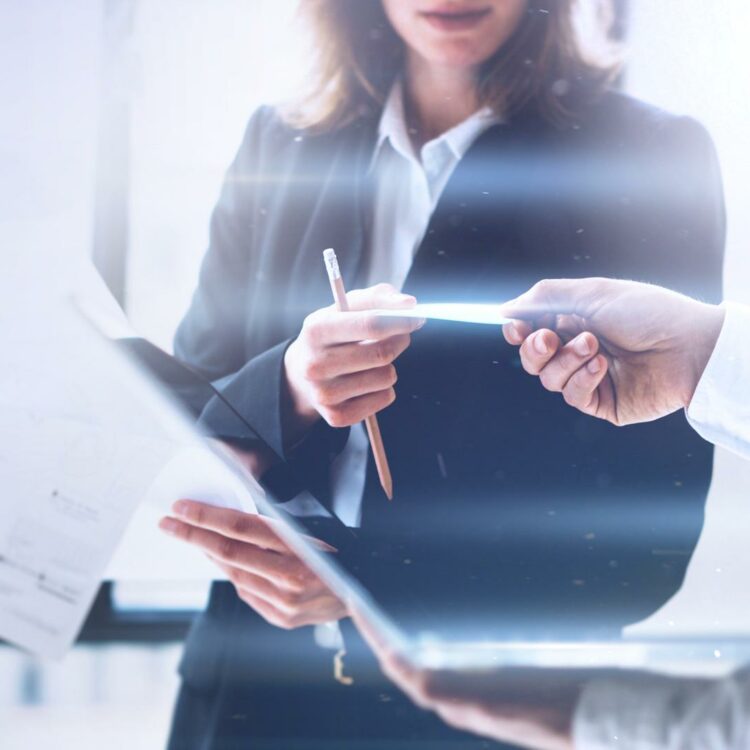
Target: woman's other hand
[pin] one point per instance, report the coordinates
(527, 708)
(266, 574)
(340, 367)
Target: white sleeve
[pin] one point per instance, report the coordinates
(720, 409)
(648, 712)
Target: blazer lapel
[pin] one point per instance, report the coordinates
(337, 220)
(471, 230)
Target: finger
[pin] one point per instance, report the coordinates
(582, 389)
(284, 570)
(371, 635)
(330, 327)
(245, 527)
(356, 409)
(284, 599)
(392, 664)
(345, 387)
(380, 296)
(410, 680)
(567, 327)
(269, 613)
(517, 331)
(344, 359)
(568, 360)
(538, 349)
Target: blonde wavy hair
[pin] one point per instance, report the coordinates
(560, 56)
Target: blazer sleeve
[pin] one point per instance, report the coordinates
(212, 336)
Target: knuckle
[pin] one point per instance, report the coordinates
(322, 394)
(240, 525)
(385, 287)
(370, 327)
(311, 370)
(335, 417)
(527, 360)
(391, 376)
(198, 515)
(285, 622)
(312, 329)
(571, 397)
(292, 582)
(384, 352)
(549, 380)
(291, 598)
(542, 288)
(247, 598)
(184, 532)
(228, 549)
(235, 577)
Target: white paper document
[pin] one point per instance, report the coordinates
(80, 447)
(454, 311)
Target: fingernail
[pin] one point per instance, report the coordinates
(540, 344)
(181, 508)
(582, 346)
(515, 333)
(594, 366)
(420, 322)
(168, 525)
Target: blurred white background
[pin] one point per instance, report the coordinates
(193, 71)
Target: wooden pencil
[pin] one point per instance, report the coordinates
(371, 422)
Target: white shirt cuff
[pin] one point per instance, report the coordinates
(720, 409)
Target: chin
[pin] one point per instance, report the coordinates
(457, 55)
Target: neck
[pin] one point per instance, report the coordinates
(437, 98)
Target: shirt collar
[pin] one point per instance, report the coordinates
(393, 128)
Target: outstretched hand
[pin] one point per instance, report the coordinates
(622, 351)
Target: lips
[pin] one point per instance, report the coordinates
(454, 19)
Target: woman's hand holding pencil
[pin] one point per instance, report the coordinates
(340, 367)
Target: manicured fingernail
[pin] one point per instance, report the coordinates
(168, 525)
(582, 346)
(540, 344)
(594, 366)
(181, 508)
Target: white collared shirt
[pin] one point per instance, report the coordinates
(407, 188)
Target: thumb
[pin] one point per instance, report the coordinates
(380, 296)
(557, 297)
